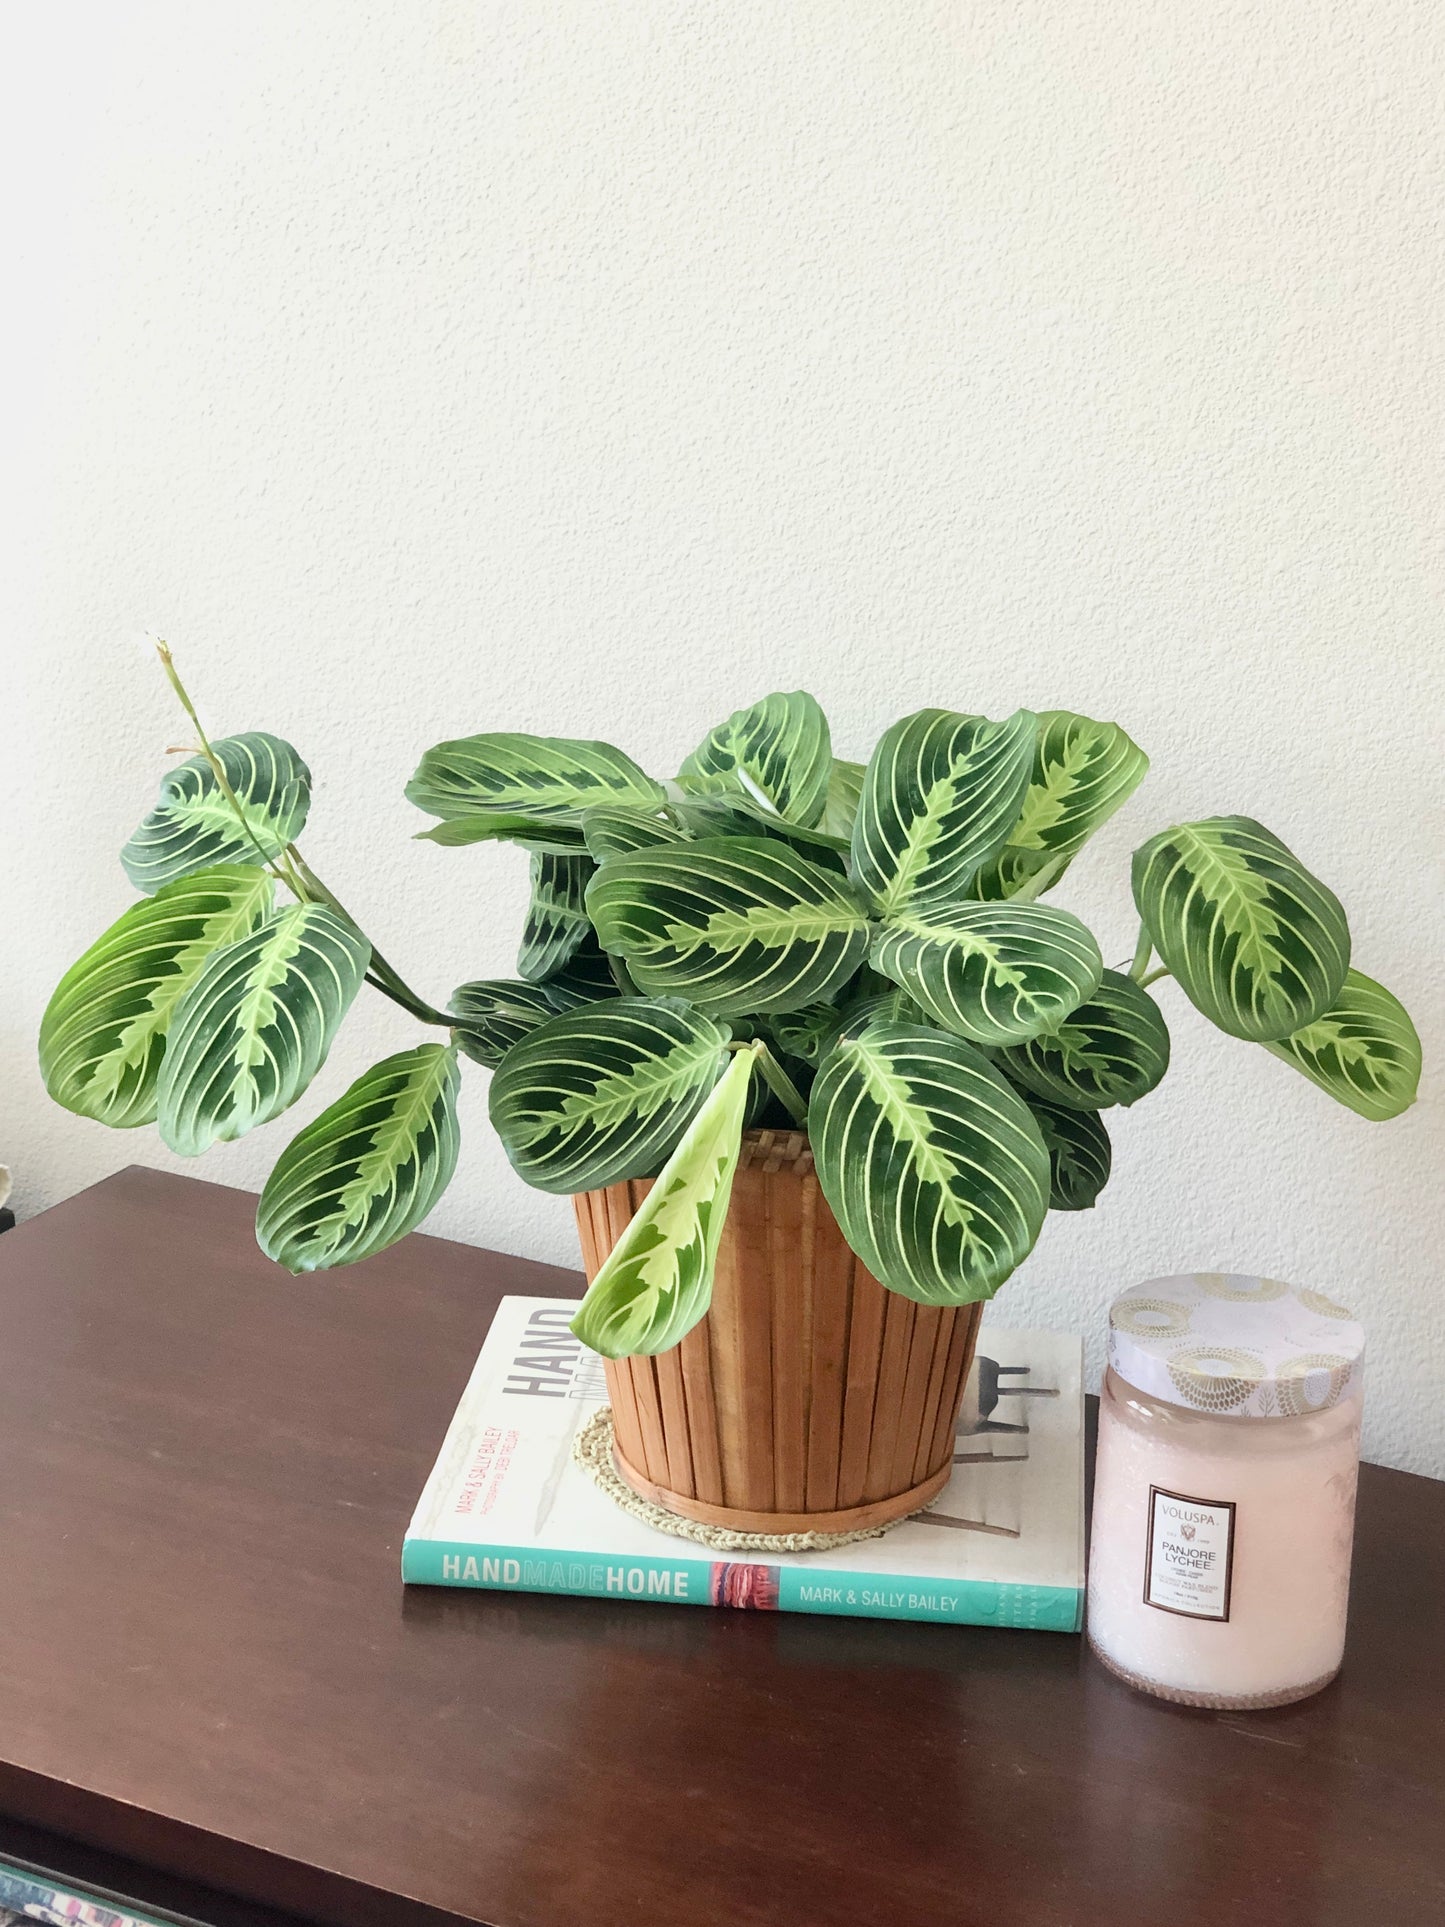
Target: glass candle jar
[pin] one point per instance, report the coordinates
(1224, 1490)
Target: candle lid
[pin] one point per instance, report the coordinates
(1248, 1347)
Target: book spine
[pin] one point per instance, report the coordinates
(731, 1582)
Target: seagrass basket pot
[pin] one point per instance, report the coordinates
(809, 1399)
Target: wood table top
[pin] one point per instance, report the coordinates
(208, 1663)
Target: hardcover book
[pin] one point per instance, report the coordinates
(508, 1506)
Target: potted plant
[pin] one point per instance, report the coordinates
(822, 993)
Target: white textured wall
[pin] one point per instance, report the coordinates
(420, 369)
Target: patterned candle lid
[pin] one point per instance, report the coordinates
(1246, 1347)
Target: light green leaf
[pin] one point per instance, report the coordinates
(616, 832)
(840, 811)
(656, 1284)
(494, 1013)
(1113, 1049)
(544, 779)
(256, 1025)
(499, 827)
(993, 972)
(556, 922)
(1083, 771)
(933, 1165)
(103, 1036)
(1080, 1155)
(193, 826)
(1256, 942)
(941, 794)
(735, 924)
(369, 1168)
(605, 1091)
(1364, 1050)
(776, 751)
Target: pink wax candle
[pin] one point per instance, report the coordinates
(1224, 1490)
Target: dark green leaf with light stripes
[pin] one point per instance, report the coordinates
(840, 810)
(1256, 942)
(605, 1091)
(776, 751)
(656, 1283)
(194, 827)
(494, 1013)
(103, 1036)
(256, 1025)
(369, 1168)
(1080, 1155)
(1113, 1049)
(993, 972)
(941, 793)
(735, 924)
(932, 1163)
(501, 827)
(1083, 770)
(556, 922)
(544, 779)
(585, 978)
(1364, 1050)
(618, 832)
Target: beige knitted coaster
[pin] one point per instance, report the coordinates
(592, 1449)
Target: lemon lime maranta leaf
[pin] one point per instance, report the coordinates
(456, 832)
(1363, 1050)
(1080, 1154)
(103, 1035)
(1082, 772)
(1111, 1049)
(932, 1163)
(369, 1168)
(996, 973)
(194, 826)
(1257, 943)
(556, 923)
(656, 1283)
(496, 1012)
(256, 1025)
(618, 832)
(539, 779)
(776, 751)
(737, 925)
(604, 1092)
(840, 809)
(940, 795)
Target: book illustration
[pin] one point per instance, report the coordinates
(507, 1507)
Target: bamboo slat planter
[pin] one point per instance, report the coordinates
(809, 1399)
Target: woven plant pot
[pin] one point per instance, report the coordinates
(809, 1399)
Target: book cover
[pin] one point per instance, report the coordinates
(507, 1506)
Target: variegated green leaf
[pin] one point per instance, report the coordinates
(735, 924)
(1256, 942)
(369, 1168)
(194, 827)
(1083, 771)
(710, 815)
(941, 793)
(605, 1091)
(776, 751)
(618, 832)
(544, 779)
(840, 810)
(1080, 1155)
(1113, 1049)
(657, 1281)
(993, 972)
(560, 839)
(587, 977)
(256, 1025)
(1364, 1050)
(807, 1033)
(103, 1036)
(494, 1013)
(933, 1165)
(556, 922)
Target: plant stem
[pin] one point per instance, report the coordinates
(779, 1082)
(1142, 954)
(1040, 881)
(381, 975)
(1154, 976)
(620, 976)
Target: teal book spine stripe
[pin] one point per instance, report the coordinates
(725, 1582)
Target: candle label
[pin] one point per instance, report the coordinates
(1189, 1561)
